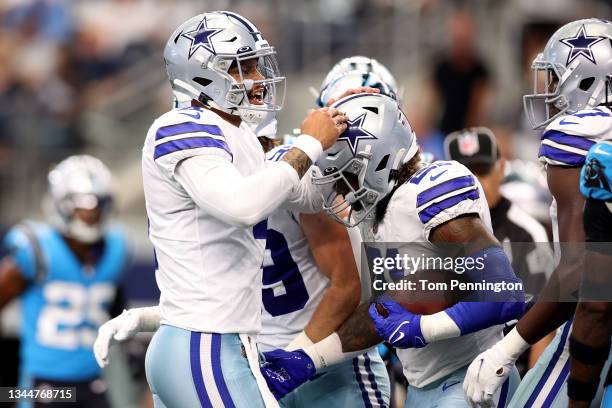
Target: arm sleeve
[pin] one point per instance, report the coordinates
(306, 198)
(485, 308)
(218, 187)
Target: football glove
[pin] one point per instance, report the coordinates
(486, 375)
(400, 328)
(284, 371)
(123, 327)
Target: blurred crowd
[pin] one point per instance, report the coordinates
(79, 75)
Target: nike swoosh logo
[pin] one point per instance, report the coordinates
(434, 178)
(195, 115)
(599, 151)
(565, 122)
(446, 386)
(401, 335)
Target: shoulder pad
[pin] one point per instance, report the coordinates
(567, 139)
(591, 123)
(189, 114)
(23, 240)
(596, 175)
(187, 132)
(445, 190)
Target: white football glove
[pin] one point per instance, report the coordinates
(487, 373)
(123, 327)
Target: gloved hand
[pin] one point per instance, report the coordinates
(123, 327)
(400, 328)
(485, 376)
(284, 371)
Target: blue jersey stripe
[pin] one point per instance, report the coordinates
(372, 380)
(196, 369)
(364, 392)
(569, 158)
(277, 155)
(578, 142)
(551, 364)
(215, 353)
(548, 402)
(187, 127)
(430, 212)
(189, 143)
(444, 188)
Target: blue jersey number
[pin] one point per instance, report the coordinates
(284, 289)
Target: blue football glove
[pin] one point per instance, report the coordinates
(284, 371)
(401, 328)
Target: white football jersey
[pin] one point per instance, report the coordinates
(293, 285)
(567, 139)
(208, 271)
(434, 195)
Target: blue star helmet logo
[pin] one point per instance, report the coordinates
(355, 132)
(581, 45)
(200, 37)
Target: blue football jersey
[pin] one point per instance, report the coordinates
(596, 174)
(65, 302)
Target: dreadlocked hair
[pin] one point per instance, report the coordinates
(268, 143)
(405, 172)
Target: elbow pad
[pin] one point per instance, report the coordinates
(500, 299)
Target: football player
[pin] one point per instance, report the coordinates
(592, 328)
(65, 272)
(376, 171)
(311, 285)
(308, 277)
(208, 192)
(570, 88)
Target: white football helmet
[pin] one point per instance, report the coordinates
(363, 165)
(199, 54)
(364, 65)
(574, 72)
(79, 182)
(351, 80)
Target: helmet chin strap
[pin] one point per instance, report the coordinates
(248, 115)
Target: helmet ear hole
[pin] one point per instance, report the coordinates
(383, 163)
(202, 81)
(586, 83)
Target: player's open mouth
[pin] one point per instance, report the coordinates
(256, 96)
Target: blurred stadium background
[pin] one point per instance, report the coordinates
(87, 76)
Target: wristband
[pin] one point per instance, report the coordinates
(309, 145)
(587, 354)
(581, 390)
(329, 352)
(513, 344)
(301, 341)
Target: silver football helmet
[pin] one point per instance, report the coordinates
(200, 53)
(574, 72)
(363, 165)
(79, 182)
